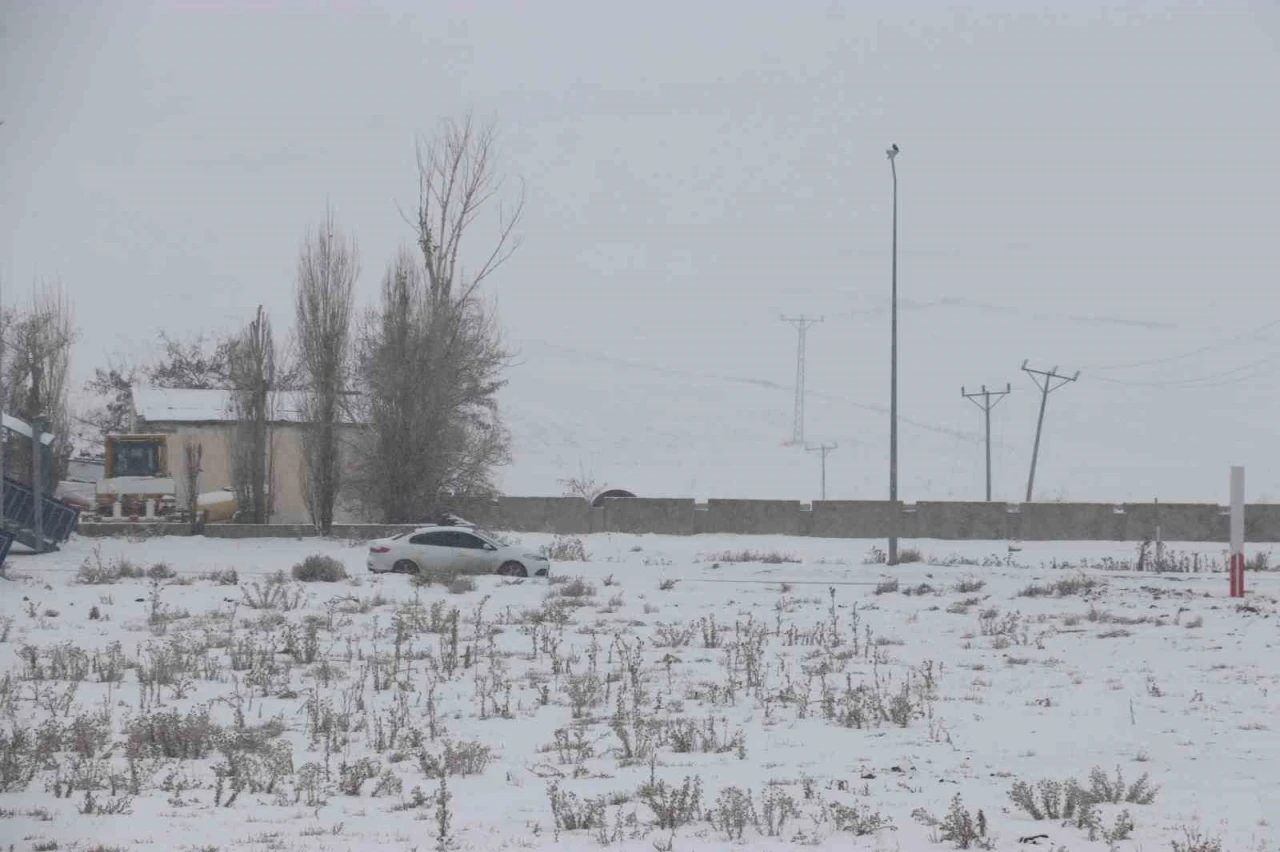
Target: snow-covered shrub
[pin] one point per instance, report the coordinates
(461, 584)
(319, 568)
(565, 549)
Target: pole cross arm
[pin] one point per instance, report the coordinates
(1047, 381)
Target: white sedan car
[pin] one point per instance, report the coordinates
(452, 549)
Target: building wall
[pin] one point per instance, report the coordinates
(287, 465)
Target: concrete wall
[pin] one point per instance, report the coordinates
(1191, 521)
(829, 519)
(753, 517)
(1261, 523)
(661, 516)
(1067, 522)
(961, 520)
(853, 518)
(567, 516)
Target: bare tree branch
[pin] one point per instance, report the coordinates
(37, 346)
(198, 362)
(457, 180)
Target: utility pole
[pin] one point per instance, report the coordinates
(892, 154)
(990, 399)
(802, 324)
(825, 450)
(1048, 381)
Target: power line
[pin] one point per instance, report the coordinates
(599, 355)
(1223, 378)
(1200, 350)
(986, 405)
(1045, 380)
(802, 324)
(825, 450)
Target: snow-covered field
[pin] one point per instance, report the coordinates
(684, 695)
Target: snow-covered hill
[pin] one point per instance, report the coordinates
(708, 412)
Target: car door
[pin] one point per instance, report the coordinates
(472, 555)
(480, 554)
(431, 551)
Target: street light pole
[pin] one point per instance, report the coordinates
(893, 371)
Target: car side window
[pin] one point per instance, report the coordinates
(433, 539)
(468, 541)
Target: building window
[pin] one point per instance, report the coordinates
(135, 458)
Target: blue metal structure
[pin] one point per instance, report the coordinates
(19, 501)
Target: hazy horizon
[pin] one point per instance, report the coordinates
(1089, 189)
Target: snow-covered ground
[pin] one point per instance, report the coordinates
(801, 701)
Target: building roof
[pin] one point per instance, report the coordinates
(189, 405)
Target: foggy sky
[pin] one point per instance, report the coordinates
(1084, 188)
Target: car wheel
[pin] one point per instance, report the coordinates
(512, 569)
(543, 573)
(405, 566)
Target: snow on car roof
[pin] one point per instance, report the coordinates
(446, 528)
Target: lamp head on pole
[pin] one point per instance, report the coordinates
(892, 151)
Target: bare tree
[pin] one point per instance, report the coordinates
(457, 180)
(583, 485)
(327, 268)
(192, 460)
(431, 357)
(253, 382)
(113, 415)
(37, 345)
(200, 362)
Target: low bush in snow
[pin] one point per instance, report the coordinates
(878, 556)
(461, 584)
(565, 549)
(771, 557)
(1066, 587)
(1076, 803)
(319, 568)
(94, 572)
(571, 588)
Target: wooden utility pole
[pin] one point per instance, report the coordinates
(1048, 381)
(824, 449)
(990, 399)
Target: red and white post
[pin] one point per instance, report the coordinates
(1237, 532)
